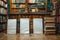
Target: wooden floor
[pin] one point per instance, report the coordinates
(28, 37)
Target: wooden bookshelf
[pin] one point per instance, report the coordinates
(30, 15)
(49, 22)
(3, 15)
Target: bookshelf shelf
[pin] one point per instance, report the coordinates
(18, 3)
(3, 7)
(2, 14)
(49, 24)
(32, 13)
(17, 8)
(4, 2)
(3, 22)
(50, 30)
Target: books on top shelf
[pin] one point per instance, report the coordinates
(1, 3)
(22, 1)
(5, 0)
(31, 1)
(18, 6)
(35, 1)
(13, 1)
(18, 1)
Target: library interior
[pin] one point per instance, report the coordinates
(29, 19)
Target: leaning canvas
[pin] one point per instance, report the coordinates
(11, 26)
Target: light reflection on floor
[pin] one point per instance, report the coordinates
(29, 37)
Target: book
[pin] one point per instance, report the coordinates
(3, 19)
(17, 5)
(17, 1)
(33, 10)
(23, 10)
(1, 3)
(36, 1)
(22, 6)
(31, 1)
(13, 1)
(49, 24)
(22, 1)
(5, 0)
(13, 6)
(58, 19)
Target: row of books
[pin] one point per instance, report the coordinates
(3, 4)
(2, 19)
(18, 1)
(18, 5)
(3, 11)
(3, 7)
(5, 0)
(35, 1)
(29, 1)
(49, 24)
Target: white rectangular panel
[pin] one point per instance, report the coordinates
(38, 26)
(24, 26)
(11, 26)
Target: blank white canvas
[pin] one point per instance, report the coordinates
(38, 26)
(24, 25)
(11, 26)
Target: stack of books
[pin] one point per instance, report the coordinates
(49, 25)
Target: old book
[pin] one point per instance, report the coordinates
(17, 5)
(13, 1)
(22, 6)
(14, 6)
(31, 1)
(5, 0)
(1, 3)
(22, 1)
(17, 1)
(33, 10)
(50, 24)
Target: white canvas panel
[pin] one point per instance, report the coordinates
(24, 26)
(11, 26)
(38, 26)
